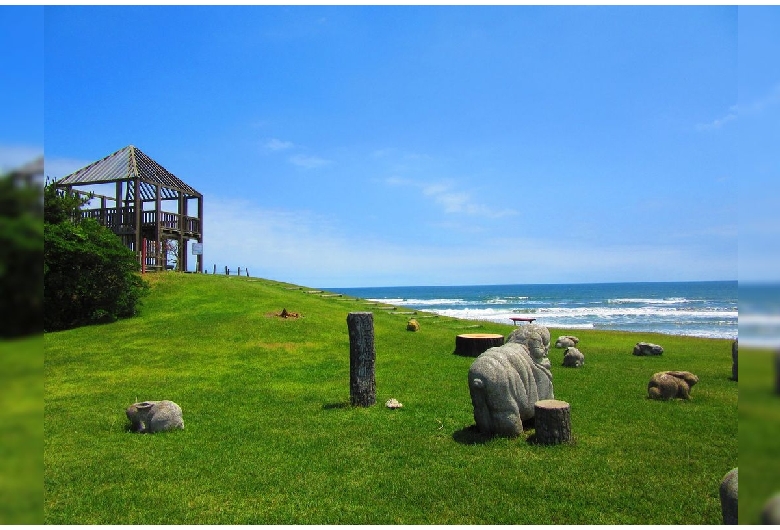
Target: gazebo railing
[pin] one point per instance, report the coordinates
(125, 217)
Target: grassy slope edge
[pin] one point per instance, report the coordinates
(270, 437)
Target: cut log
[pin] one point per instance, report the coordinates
(553, 421)
(362, 359)
(473, 344)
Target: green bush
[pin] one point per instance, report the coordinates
(21, 254)
(90, 277)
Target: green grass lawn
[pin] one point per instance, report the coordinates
(21, 431)
(759, 432)
(270, 437)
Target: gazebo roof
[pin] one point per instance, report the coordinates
(130, 163)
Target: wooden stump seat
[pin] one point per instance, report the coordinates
(552, 421)
(473, 344)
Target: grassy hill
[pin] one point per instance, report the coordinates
(21, 431)
(270, 437)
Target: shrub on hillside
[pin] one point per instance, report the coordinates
(21, 253)
(89, 275)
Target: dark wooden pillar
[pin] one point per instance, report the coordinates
(200, 231)
(158, 261)
(777, 371)
(139, 205)
(362, 358)
(181, 248)
(118, 217)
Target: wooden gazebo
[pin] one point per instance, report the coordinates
(132, 190)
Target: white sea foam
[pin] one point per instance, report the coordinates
(413, 302)
(608, 312)
(720, 324)
(759, 320)
(603, 307)
(506, 300)
(759, 330)
(650, 301)
(583, 312)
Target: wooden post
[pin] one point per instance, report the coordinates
(362, 356)
(473, 344)
(143, 257)
(552, 421)
(200, 231)
(227, 271)
(239, 271)
(777, 371)
(181, 261)
(215, 268)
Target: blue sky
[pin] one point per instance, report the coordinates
(360, 146)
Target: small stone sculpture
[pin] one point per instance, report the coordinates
(573, 358)
(728, 497)
(393, 403)
(647, 348)
(504, 383)
(734, 355)
(412, 325)
(566, 341)
(154, 416)
(671, 384)
(536, 339)
(770, 514)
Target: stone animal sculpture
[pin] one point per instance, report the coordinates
(154, 416)
(566, 341)
(536, 339)
(729, 496)
(573, 358)
(504, 383)
(770, 514)
(671, 384)
(647, 348)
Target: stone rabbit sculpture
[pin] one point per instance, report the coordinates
(670, 385)
(154, 416)
(573, 357)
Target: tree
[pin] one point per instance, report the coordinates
(21, 254)
(89, 275)
(60, 206)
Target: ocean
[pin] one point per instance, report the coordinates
(697, 309)
(759, 315)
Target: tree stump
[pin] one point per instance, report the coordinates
(362, 357)
(473, 344)
(552, 421)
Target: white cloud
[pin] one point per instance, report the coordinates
(719, 122)
(759, 105)
(452, 200)
(15, 156)
(310, 249)
(274, 144)
(309, 162)
(754, 107)
(382, 153)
